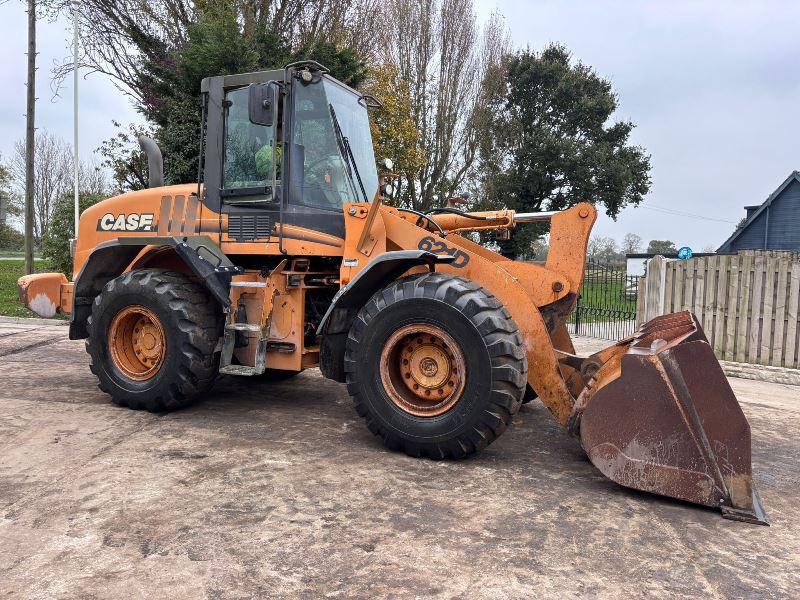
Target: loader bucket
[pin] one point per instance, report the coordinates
(659, 416)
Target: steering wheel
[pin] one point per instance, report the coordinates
(327, 158)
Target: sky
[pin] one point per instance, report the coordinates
(712, 86)
(714, 91)
(100, 101)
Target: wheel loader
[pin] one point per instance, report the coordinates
(285, 255)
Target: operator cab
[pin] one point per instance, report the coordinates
(289, 146)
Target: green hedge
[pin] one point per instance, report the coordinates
(55, 243)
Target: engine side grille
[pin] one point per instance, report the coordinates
(248, 228)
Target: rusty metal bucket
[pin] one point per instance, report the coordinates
(658, 415)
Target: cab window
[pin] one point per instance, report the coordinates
(248, 148)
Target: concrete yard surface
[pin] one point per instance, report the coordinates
(278, 490)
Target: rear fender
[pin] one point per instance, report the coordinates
(200, 254)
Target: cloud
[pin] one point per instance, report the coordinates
(100, 101)
(713, 88)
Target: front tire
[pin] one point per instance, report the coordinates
(435, 365)
(152, 340)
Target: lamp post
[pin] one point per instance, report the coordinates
(30, 131)
(75, 66)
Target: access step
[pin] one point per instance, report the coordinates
(243, 327)
(239, 370)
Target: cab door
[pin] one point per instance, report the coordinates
(250, 193)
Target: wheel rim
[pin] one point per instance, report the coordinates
(423, 370)
(137, 343)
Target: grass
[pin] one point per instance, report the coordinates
(10, 271)
(604, 295)
(16, 254)
(603, 299)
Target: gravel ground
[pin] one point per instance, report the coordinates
(278, 490)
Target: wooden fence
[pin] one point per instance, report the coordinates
(746, 303)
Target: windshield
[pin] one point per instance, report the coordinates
(320, 176)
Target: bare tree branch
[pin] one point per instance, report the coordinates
(53, 175)
(450, 67)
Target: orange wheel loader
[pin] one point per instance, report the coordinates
(283, 256)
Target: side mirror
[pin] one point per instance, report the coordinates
(261, 104)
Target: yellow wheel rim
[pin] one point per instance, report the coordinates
(136, 342)
(423, 370)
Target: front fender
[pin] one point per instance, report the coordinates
(376, 275)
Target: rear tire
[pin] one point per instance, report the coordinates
(486, 371)
(179, 314)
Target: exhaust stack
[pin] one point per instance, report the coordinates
(155, 162)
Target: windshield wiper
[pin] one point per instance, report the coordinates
(347, 154)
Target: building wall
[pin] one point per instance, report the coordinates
(784, 220)
(783, 223)
(753, 236)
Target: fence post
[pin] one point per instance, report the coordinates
(641, 301)
(578, 316)
(655, 288)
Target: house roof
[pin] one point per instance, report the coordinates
(794, 176)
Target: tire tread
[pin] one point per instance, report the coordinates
(197, 326)
(503, 343)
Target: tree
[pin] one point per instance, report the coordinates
(53, 176)
(604, 249)
(124, 159)
(661, 247)
(555, 145)
(122, 36)
(56, 240)
(219, 39)
(631, 243)
(436, 49)
(540, 248)
(10, 238)
(10, 203)
(52, 167)
(394, 133)
(10, 207)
